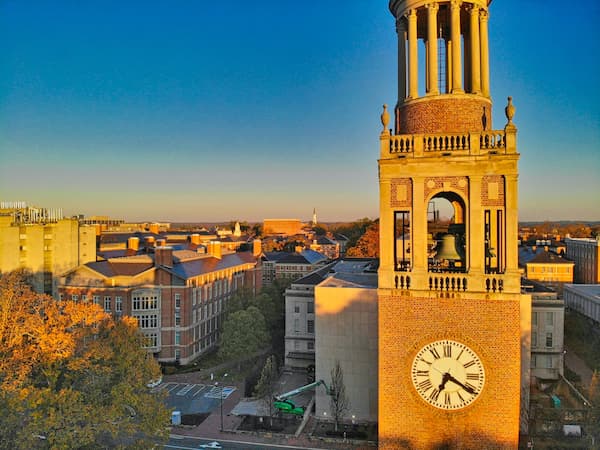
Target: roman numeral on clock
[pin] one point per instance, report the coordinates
(434, 395)
(447, 398)
(448, 351)
(435, 353)
(473, 376)
(469, 364)
(425, 385)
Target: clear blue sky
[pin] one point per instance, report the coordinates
(218, 110)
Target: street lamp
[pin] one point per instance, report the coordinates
(221, 396)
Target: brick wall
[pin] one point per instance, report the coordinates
(491, 328)
(446, 115)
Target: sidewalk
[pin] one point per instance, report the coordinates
(211, 427)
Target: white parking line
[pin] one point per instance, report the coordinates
(186, 389)
(171, 388)
(200, 389)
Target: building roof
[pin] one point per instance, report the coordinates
(591, 291)
(121, 266)
(186, 264)
(206, 264)
(545, 257)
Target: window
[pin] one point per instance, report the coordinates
(148, 321)
(118, 304)
(534, 318)
(548, 339)
(177, 338)
(310, 326)
(533, 361)
(106, 303)
(151, 340)
(402, 240)
(96, 299)
(297, 325)
(84, 298)
(310, 307)
(549, 362)
(549, 318)
(296, 345)
(177, 354)
(75, 297)
(177, 301)
(534, 339)
(177, 319)
(296, 308)
(310, 345)
(61, 296)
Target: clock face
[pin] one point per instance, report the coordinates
(448, 374)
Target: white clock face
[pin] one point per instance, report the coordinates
(447, 374)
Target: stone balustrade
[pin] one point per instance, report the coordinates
(452, 282)
(458, 144)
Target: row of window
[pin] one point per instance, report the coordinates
(310, 307)
(96, 299)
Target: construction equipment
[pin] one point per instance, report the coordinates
(285, 405)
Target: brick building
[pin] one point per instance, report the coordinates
(178, 297)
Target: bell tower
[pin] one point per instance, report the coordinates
(452, 320)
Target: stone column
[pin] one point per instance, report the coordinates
(401, 30)
(455, 36)
(432, 49)
(413, 70)
(512, 221)
(448, 44)
(485, 58)
(475, 51)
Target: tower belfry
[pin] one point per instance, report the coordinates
(450, 308)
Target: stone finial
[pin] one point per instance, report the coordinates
(385, 119)
(509, 111)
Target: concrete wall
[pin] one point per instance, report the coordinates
(346, 330)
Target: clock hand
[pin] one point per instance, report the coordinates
(468, 389)
(445, 378)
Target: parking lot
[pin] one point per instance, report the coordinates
(194, 398)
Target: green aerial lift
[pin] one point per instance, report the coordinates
(285, 405)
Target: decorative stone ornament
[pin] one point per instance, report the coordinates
(509, 111)
(385, 119)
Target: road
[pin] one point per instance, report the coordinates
(193, 443)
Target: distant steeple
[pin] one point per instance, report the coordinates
(238, 231)
(314, 219)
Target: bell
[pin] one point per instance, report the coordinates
(447, 249)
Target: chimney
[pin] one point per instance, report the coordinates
(149, 241)
(133, 243)
(163, 256)
(161, 242)
(256, 247)
(195, 239)
(214, 249)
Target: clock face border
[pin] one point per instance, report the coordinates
(448, 374)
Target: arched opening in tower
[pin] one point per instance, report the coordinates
(446, 233)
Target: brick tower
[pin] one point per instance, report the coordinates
(453, 325)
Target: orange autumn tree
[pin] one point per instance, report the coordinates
(368, 244)
(71, 376)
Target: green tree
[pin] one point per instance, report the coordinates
(339, 402)
(72, 377)
(244, 333)
(266, 385)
